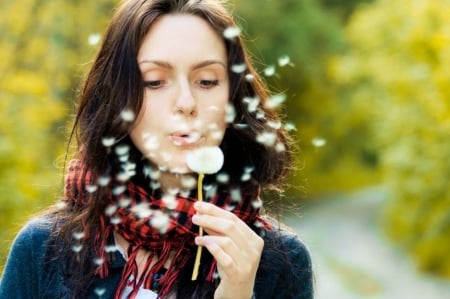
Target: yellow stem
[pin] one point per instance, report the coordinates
(200, 231)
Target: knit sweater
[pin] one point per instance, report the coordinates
(32, 271)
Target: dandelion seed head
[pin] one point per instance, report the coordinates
(127, 115)
(231, 32)
(108, 141)
(207, 160)
(318, 141)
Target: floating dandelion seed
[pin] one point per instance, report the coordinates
(230, 114)
(260, 115)
(269, 71)
(94, 39)
(115, 220)
(188, 182)
(213, 108)
(246, 177)
(231, 32)
(104, 180)
(290, 127)
(249, 77)
(274, 124)
(155, 185)
(99, 261)
(111, 248)
(223, 178)
(77, 248)
(78, 235)
(238, 68)
(284, 60)
(230, 207)
(110, 209)
(275, 101)
(118, 190)
(124, 158)
(122, 150)
(100, 291)
(257, 204)
(127, 115)
(108, 141)
(124, 202)
(160, 221)
(252, 103)
(142, 210)
(318, 141)
(241, 126)
(91, 188)
(280, 147)
(235, 195)
(267, 138)
(151, 143)
(170, 201)
(249, 169)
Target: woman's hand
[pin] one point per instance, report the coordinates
(235, 246)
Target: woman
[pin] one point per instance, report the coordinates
(166, 82)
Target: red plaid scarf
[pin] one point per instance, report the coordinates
(134, 213)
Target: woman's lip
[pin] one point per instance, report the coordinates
(185, 139)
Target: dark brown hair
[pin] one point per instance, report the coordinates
(114, 83)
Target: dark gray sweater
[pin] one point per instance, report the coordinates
(32, 271)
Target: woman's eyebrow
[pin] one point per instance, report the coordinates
(163, 64)
(168, 65)
(208, 63)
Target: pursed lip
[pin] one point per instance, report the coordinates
(181, 138)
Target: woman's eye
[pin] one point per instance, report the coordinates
(154, 84)
(208, 83)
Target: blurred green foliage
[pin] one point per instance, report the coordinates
(44, 49)
(396, 73)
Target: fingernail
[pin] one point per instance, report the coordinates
(195, 218)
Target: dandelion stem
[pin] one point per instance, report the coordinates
(200, 231)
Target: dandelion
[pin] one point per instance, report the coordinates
(99, 261)
(94, 39)
(231, 32)
(238, 68)
(280, 147)
(77, 248)
(108, 141)
(118, 190)
(151, 142)
(142, 210)
(269, 71)
(170, 201)
(275, 101)
(110, 209)
(223, 178)
(111, 248)
(236, 195)
(257, 203)
(115, 220)
(246, 177)
(204, 160)
(127, 115)
(91, 188)
(100, 291)
(260, 115)
(124, 202)
(284, 60)
(274, 124)
(78, 235)
(318, 141)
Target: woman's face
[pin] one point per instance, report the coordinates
(183, 62)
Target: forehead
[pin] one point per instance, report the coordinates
(182, 35)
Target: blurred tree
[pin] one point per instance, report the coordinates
(396, 72)
(332, 139)
(44, 46)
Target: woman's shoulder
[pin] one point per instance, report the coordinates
(36, 231)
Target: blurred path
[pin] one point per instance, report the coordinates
(351, 257)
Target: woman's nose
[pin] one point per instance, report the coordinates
(185, 103)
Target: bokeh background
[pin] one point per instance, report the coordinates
(368, 100)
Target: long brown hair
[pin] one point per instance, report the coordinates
(114, 84)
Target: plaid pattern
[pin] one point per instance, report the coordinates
(162, 225)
